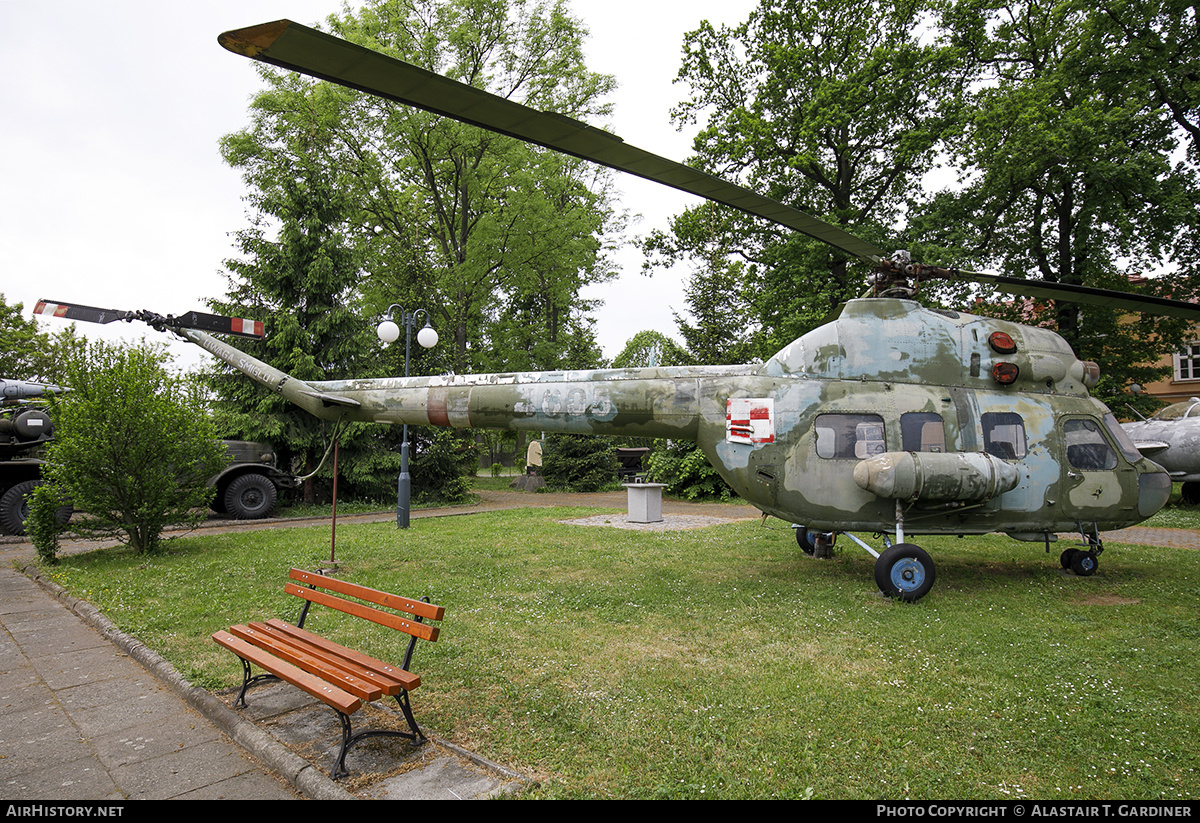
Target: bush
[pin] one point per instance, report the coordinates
(686, 472)
(579, 463)
(134, 446)
(437, 467)
(45, 521)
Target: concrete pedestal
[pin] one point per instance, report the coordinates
(645, 502)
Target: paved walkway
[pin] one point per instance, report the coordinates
(90, 714)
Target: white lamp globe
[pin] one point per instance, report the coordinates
(427, 337)
(388, 331)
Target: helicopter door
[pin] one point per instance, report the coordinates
(1095, 480)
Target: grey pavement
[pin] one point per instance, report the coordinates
(88, 713)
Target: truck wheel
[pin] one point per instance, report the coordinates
(250, 497)
(14, 507)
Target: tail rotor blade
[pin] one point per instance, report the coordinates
(192, 320)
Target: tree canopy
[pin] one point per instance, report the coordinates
(495, 238)
(1065, 134)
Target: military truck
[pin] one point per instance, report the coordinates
(247, 489)
(24, 429)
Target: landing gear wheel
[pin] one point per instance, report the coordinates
(1190, 492)
(1084, 563)
(250, 497)
(1066, 557)
(905, 572)
(805, 540)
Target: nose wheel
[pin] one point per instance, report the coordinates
(905, 571)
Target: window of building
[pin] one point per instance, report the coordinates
(1187, 362)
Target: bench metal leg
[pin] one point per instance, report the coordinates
(415, 736)
(247, 682)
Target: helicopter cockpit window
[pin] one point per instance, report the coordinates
(849, 436)
(1124, 441)
(1004, 435)
(1086, 447)
(922, 432)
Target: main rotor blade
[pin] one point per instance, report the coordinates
(1089, 295)
(308, 51)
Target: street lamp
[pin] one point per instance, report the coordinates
(389, 332)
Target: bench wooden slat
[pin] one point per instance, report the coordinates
(392, 621)
(406, 679)
(339, 699)
(387, 677)
(393, 601)
(333, 672)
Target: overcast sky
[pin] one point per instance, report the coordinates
(115, 195)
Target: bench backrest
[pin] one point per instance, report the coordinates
(317, 588)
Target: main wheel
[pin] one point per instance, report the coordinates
(250, 497)
(1066, 557)
(1084, 563)
(805, 540)
(905, 572)
(1190, 492)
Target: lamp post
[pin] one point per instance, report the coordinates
(389, 332)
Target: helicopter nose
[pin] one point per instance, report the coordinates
(1154, 490)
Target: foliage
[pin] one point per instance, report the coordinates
(651, 348)
(29, 354)
(495, 238)
(1070, 168)
(134, 446)
(300, 274)
(441, 458)
(44, 523)
(687, 473)
(578, 463)
(835, 107)
(723, 662)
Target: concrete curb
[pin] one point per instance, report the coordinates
(304, 776)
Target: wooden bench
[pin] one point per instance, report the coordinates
(341, 677)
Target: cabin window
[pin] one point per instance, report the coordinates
(1004, 435)
(1087, 450)
(849, 436)
(922, 432)
(1187, 362)
(1124, 441)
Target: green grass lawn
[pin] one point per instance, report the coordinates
(722, 662)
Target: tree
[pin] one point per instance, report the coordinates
(448, 217)
(651, 348)
(300, 274)
(29, 354)
(579, 463)
(134, 446)
(835, 107)
(1068, 175)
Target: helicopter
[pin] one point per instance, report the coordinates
(891, 418)
(1171, 438)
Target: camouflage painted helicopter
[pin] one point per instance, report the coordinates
(891, 418)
